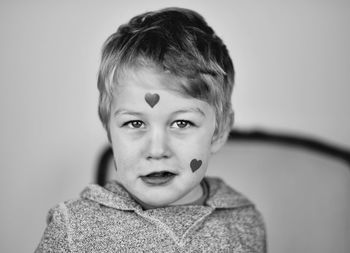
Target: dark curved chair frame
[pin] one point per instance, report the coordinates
(248, 136)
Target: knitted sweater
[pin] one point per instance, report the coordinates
(107, 219)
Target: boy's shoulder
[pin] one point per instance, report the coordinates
(95, 205)
(95, 198)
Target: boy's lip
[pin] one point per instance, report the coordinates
(158, 173)
(158, 178)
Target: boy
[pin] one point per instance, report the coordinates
(165, 83)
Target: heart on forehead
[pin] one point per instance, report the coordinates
(152, 99)
(195, 164)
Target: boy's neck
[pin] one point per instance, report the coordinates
(196, 197)
(191, 197)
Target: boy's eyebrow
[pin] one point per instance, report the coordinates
(195, 110)
(123, 111)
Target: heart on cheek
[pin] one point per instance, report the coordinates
(195, 164)
(152, 99)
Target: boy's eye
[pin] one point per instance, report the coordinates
(181, 124)
(134, 124)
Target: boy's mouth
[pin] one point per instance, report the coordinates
(158, 178)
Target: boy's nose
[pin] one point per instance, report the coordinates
(158, 146)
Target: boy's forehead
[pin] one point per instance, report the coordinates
(151, 88)
(152, 78)
(149, 78)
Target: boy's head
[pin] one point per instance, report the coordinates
(165, 83)
(177, 41)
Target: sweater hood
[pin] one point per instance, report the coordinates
(115, 196)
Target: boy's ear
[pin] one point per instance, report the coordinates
(218, 141)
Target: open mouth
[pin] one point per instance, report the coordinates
(158, 178)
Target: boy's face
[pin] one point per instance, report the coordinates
(161, 140)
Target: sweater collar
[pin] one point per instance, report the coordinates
(115, 196)
(223, 196)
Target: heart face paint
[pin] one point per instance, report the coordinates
(195, 165)
(152, 99)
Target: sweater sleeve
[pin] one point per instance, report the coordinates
(56, 236)
(253, 232)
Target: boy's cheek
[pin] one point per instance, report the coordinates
(124, 140)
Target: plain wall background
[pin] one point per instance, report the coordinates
(291, 59)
